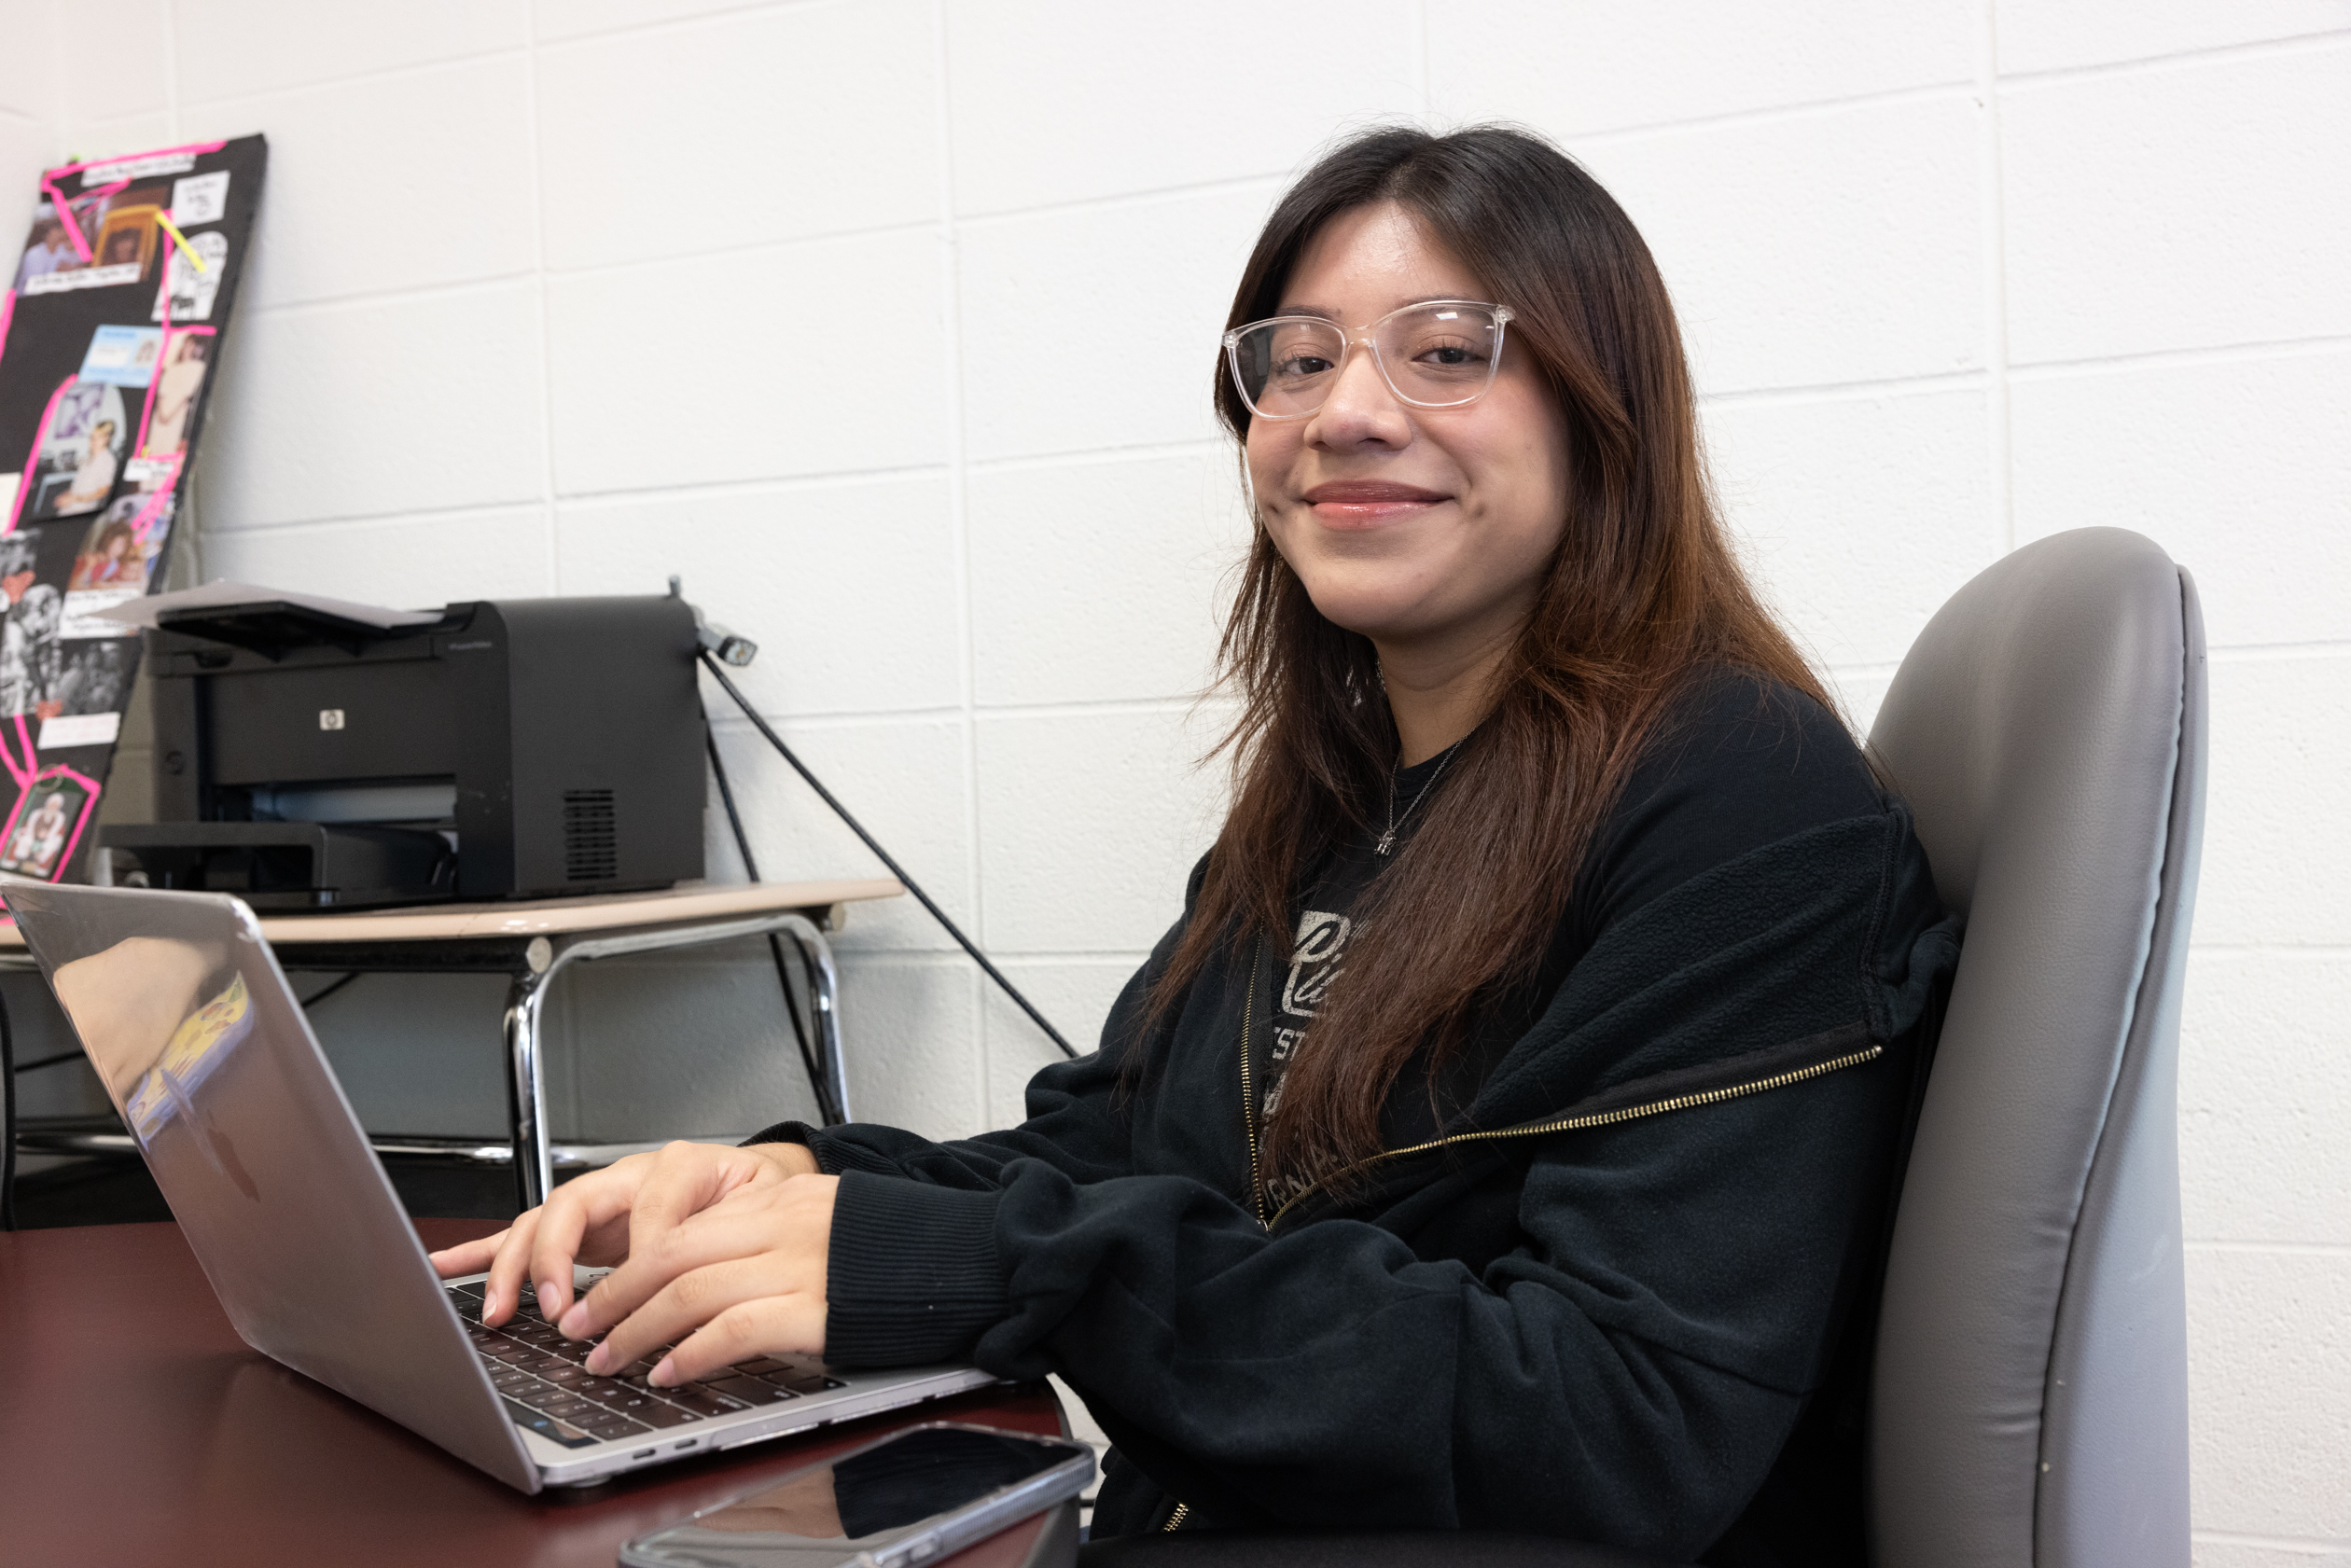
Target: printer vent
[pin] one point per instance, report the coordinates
(591, 843)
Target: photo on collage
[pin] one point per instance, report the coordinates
(129, 238)
(95, 676)
(47, 249)
(19, 563)
(188, 292)
(176, 384)
(122, 355)
(30, 659)
(81, 456)
(32, 561)
(114, 564)
(119, 234)
(35, 842)
(113, 556)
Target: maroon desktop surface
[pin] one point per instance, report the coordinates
(135, 1427)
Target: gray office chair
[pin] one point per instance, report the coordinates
(2030, 1405)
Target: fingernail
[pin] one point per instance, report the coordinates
(489, 1301)
(664, 1371)
(546, 1300)
(575, 1322)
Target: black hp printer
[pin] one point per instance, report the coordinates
(512, 748)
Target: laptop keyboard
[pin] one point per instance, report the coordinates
(532, 1365)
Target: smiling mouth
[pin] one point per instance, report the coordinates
(1360, 503)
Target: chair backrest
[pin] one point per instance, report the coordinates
(2030, 1405)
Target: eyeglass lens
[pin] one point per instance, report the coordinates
(1433, 355)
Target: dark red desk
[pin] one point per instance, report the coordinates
(136, 1428)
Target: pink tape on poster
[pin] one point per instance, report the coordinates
(163, 319)
(20, 771)
(64, 211)
(7, 310)
(64, 207)
(40, 434)
(193, 149)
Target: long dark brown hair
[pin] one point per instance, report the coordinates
(1644, 589)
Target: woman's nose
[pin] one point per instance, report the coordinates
(1361, 406)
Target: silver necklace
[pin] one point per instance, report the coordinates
(1387, 839)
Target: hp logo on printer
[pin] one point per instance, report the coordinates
(331, 718)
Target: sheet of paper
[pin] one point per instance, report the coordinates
(150, 609)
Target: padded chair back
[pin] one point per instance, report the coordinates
(2030, 1405)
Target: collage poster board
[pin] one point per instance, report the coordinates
(113, 312)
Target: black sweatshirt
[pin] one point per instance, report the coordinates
(1625, 1300)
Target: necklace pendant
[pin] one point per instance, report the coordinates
(1387, 842)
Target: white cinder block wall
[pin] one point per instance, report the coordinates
(888, 324)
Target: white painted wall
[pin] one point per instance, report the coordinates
(1958, 273)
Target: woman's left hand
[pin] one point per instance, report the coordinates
(741, 1278)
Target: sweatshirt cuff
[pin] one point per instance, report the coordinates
(912, 1275)
(834, 1155)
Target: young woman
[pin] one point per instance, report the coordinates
(1502, 1139)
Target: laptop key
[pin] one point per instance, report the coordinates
(751, 1391)
(702, 1401)
(803, 1382)
(661, 1413)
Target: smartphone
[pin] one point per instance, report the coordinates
(912, 1497)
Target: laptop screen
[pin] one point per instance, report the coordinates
(211, 1063)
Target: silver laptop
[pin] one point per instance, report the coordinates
(211, 1062)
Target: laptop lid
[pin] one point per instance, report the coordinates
(211, 1063)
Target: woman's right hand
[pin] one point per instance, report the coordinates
(596, 1219)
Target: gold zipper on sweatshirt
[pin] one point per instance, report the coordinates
(1571, 1124)
(1249, 1099)
(1176, 1517)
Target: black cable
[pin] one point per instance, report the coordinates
(819, 1082)
(7, 1120)
(827, 1109)
(315, 997)
(896, 870)
(47, 1061)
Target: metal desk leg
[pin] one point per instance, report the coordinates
(824, 988)
(526, 1067)
(526, 1076)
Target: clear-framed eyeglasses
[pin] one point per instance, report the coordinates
(1438, 354)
